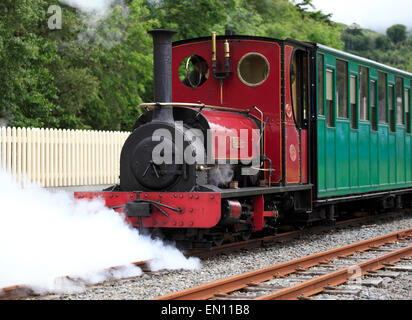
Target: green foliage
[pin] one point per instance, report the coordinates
(383, 43)
(410, 65)
(93, 73)
(397, 33)
(82, 76)
(191, 18)
(356, 40)
(393, 49)
(28, 90)
(282, 19)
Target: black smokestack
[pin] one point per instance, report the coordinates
(162, 53)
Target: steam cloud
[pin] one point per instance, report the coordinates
(45, 235)
(221, 175)
(90, 6)
(95, 14)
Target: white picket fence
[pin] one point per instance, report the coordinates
(60, 158)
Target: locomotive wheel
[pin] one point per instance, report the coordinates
(218, 241)
(244, 236)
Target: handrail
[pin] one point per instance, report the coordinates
(193, 105)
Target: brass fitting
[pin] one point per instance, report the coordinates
(227, 49)
(213, 46)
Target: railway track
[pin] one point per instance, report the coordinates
(23, 291)
(309, 275)
(290, 235)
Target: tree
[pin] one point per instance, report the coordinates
(379, 47)
(383, 42)
(355, 40)
(282, 19)
(397, 33)
(191, 18)
(304, 5)
(27, 91)
(80, 77)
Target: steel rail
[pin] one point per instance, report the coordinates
(317, 285)
(282, 237)
(239, 282)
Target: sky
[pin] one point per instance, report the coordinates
(377, 15)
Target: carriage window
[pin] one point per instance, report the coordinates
(353, 86)
(321, 86)
(253, 69)
(342, 88)
(374, 123)
(329, 99)
(407, 114)
(383, 102)
(364, 93)
(399, 101)
(391, 108)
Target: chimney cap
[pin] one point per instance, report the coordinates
(162, 30)
(230, 32)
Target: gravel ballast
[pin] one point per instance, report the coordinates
(152, 285)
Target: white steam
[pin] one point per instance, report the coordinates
(221, 175)
(102, 20)
(45, 236)
(90, 6)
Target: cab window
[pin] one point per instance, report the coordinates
(299, 88)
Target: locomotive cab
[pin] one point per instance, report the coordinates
(249, 73)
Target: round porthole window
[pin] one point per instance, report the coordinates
(253, 69)
(193, 71)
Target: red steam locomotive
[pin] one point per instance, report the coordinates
(234, 154)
